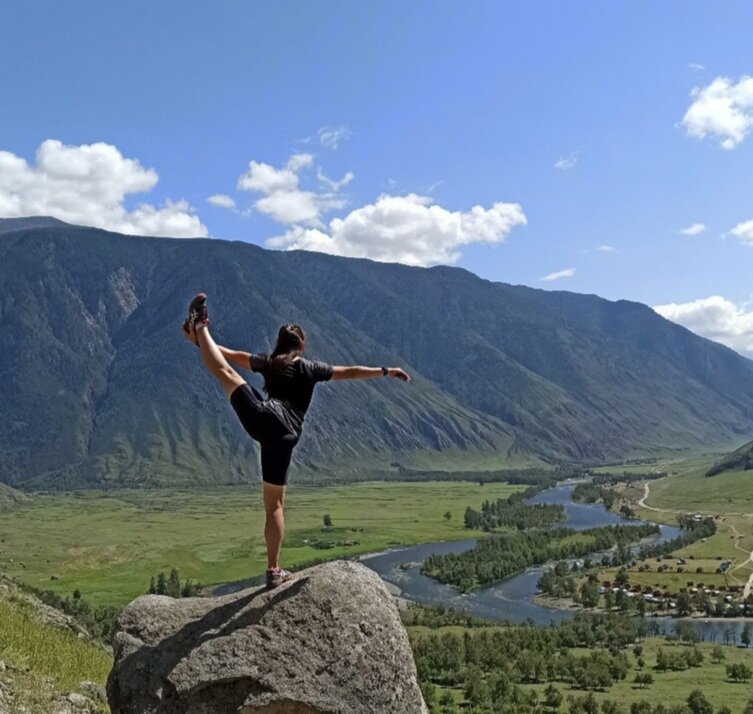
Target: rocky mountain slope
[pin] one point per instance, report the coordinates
(100, 389)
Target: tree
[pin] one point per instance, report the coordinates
(447, 516)
(641, 707)
(644, 679)
(161, 584)
(590, 705)
(589, 593)
(684, 604)
(749, 707)
(745, 638)
(173, 584)
(622, 578)
(662, 660)
(698, 704)
(552, 698)
(152, 586)
(724, 709)
(447, 702)
(610, 707)
(429, 692)
(623, 602)
(738, 672)
(327, 520)
(717, 654)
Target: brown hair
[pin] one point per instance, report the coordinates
(290, 340)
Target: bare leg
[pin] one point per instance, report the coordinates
(216, 363)
(274, 529)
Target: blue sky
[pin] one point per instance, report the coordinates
(400, 118)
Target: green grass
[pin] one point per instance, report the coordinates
(108, 544)
(669, 688)
(728, 497)
(728, 493)
(45, 659)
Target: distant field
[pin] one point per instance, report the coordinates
(728, 497)
(672, 688)
(727, 493)
(669, 688)
(108, 544)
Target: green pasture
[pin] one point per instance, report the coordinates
(690, 491)
(669, 687)
(109, 544)
(728, 497)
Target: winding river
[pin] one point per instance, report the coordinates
(513, 599)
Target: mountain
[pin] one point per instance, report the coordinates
(739, 460)
(10, 497)
(100, 389)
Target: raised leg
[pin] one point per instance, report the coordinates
(274, 529)
(216, 363)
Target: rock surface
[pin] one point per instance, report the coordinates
(328, 642)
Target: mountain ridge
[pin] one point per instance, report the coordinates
(505, 373)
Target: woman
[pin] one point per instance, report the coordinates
(276, 422)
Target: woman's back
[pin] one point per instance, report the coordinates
(293, 383)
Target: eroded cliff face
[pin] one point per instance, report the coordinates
(330, 641)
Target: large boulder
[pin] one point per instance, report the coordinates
(329, 641)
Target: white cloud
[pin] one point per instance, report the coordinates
(565, 163)
(283, 199)
(566, 273)
(409, 229)
(716, 318)
(693, 230)
(744, 232)
(331, 185)
(221, 200)
(87, 185)
(331, 136)
(606, 249)
(722, 109)
(696, 67)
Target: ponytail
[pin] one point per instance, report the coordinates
(290, 340)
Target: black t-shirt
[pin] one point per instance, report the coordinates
(294, 385)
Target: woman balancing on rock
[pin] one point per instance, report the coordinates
(276, 422)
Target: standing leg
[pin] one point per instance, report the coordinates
(275, 460)
(274, 529)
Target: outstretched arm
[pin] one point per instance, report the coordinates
(237, 357)
(368, 373)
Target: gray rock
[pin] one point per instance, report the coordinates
(328, 642)
(74, 703)
(93, 690)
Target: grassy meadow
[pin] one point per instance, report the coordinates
(728, 497)
(109, 544)
(44, 661)
(669, 688)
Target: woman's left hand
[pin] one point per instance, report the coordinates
(398, 373)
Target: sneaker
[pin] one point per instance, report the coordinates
(197, 311)
(277, 576)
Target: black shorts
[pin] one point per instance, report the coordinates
(266, 422)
